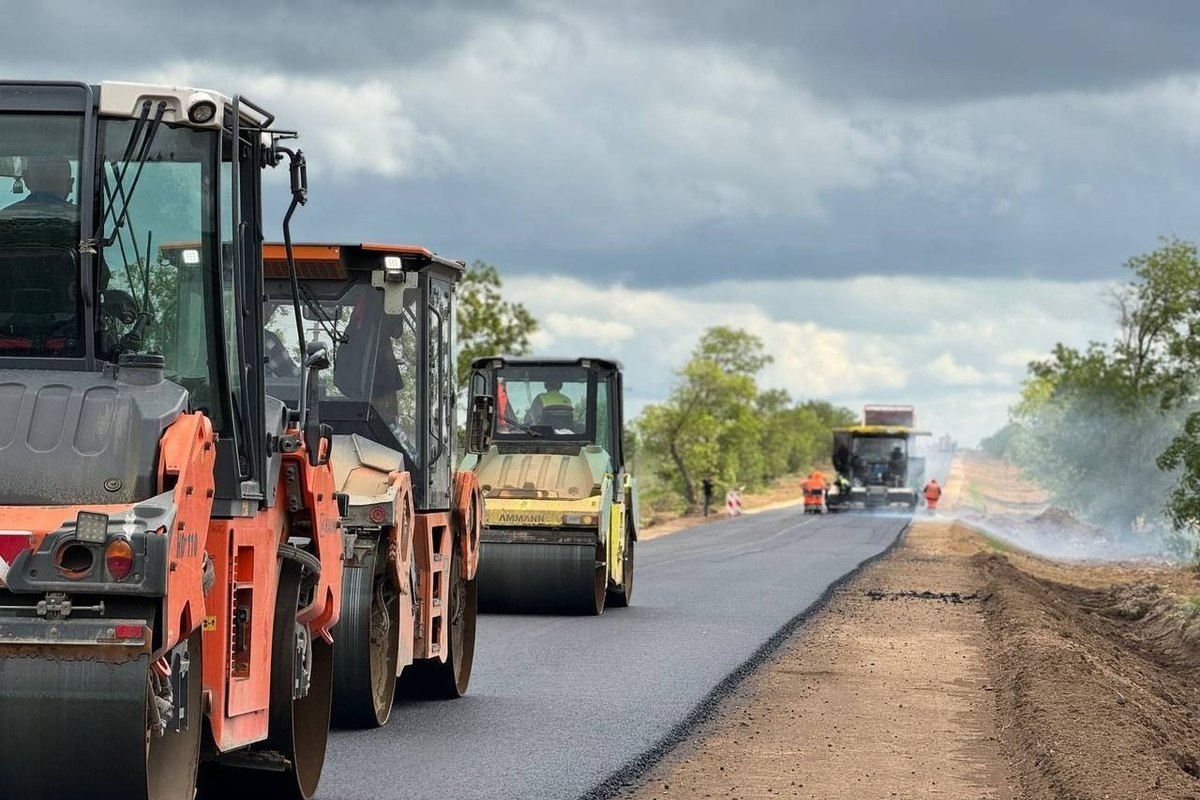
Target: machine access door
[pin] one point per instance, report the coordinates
(438, 408)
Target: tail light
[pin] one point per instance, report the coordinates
(118, 558)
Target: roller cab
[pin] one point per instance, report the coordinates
(561, 515)
(385, 314)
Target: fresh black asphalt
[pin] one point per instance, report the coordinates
(568, 707)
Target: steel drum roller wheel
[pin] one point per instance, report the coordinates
(527, 578)
(81, 729)
(366, 647)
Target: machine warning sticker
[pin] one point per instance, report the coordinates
(11, 544)
(210, 624)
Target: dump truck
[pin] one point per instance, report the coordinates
(385, 313)
(170, 541)
(562, 513)
(876, 463)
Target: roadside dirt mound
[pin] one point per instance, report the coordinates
(1057, 521)
(1056, 533)
(1097, 686)
(993, 485)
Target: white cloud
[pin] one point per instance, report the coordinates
(958, 354)
(946, 370)
(603, 332)
(351, 126)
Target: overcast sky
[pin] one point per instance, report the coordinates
(907, 200)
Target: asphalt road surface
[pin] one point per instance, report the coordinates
(560, 705)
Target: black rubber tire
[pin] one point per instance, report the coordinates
(79, 729)
(523, 578)
(365, 647)
(622, 596)
(299, 729)
(430, 679)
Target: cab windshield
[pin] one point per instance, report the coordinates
(41, 307)
(158, 255)
(373, 352)
(879, 460)
(543, 402)
(879, 449)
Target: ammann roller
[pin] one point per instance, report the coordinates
(561, 518)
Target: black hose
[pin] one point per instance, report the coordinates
(305, 559)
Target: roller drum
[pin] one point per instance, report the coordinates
(73, 726)
(366, 648)
(540, 578)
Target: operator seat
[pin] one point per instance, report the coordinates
(39, 279)
(558, 417)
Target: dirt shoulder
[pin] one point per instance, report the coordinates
(960, 667)
(886, 693)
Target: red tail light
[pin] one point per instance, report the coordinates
(127, 632)
(118, 559)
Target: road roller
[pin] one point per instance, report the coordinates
(385, 313)
(170, 536)
(561, 517)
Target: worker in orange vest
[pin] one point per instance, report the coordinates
(814, 487)
(933, 493)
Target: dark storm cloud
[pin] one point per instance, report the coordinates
(305, 37)
(1052, 232)
(919, 50)
(940, 50)
(681, 142)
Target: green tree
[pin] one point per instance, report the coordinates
(1102, 427)
(487, 323)
(703, 426)
(717, 422)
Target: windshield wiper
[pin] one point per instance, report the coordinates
(523, 428)
(150, 128)
(327, 323)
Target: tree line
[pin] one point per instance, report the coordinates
(717, 422)
(1112, 429)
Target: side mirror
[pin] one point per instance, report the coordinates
(479, 425)
(298, 177)
(316, 360)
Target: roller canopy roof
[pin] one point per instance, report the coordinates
(530, 361)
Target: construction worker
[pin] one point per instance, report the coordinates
(814, 487)
(551, 398)
(707, 485)
(933, 493)
(896, 466)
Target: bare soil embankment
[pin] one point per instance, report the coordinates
(961, 667)
(1097, 688)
